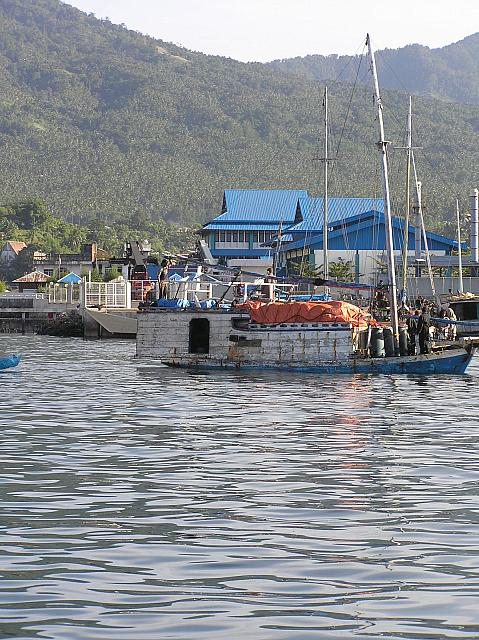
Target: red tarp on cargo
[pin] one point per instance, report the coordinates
(288, 312)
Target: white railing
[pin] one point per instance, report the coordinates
(66, 294)
(141, 288)
(267, 290)
(25, 294)
(116, 295)
(195, 290)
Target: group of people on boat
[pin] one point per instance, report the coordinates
(422, 330)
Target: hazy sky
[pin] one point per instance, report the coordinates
(267, 29)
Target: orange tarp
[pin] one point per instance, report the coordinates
(288, 312)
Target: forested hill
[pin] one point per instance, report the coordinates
(103, 122)
(448, 73)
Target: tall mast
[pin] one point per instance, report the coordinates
(382, 146)
(325, 197)
(406, 217)
(423, 231)
(459, 248)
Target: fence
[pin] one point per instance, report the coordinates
(422, 286)
(67, 294)
(115, 295)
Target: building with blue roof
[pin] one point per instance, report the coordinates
(256, 224)
(251, 218)
(359, 239)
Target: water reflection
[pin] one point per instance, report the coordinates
(139, 501)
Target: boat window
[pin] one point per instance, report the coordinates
(199, 341)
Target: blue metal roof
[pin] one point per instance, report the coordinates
(355, 233)
(237, 226)
(260, 205)
(339, 208)
(70, 278)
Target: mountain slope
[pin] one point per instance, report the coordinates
(448, 73)
(104, 122)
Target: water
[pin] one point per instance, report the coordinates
(143, 503)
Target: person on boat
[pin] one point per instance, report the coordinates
(451, 329)
(423, 331)
(419, 303)
(268, 279)
(443, 329)
(411, 324)
(163, 278)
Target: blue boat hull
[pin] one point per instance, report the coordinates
(6, 362)
(447, 362)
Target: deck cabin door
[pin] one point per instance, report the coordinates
(199, 341)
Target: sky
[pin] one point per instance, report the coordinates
(263, 30)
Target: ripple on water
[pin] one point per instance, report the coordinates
(139, 502)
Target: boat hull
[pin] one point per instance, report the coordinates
(7, 362)
(448, 362)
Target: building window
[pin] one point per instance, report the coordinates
(232, 237)
(260, 237)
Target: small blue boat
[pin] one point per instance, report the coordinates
(7, 362)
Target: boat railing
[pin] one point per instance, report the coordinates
(197, 290)
(141, 288)
(267, 290)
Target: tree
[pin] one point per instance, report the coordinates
(96, 276)
(304, 269)
(111, 274)
(342, 270)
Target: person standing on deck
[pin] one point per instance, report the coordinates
(411, 324)
(451, 328)
(266, 289)
(423, 331)
(163, 278)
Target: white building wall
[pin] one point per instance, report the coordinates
(369, 260)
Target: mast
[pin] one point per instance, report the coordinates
(325, 197)
(459, 248)
(406, 217)
(382, 146)
(423, 231)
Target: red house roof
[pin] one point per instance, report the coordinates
(17, 246)
(34, 276)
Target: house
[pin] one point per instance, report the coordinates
(10, 251)
(31, 281)
(80, 263)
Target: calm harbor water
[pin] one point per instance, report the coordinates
(142, 503)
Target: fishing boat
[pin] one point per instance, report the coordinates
(325, 337)
(7, 362)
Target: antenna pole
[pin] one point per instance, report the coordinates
(382, 146)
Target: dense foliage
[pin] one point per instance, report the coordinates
(109, 128)
(32, 223)
(448, 73)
